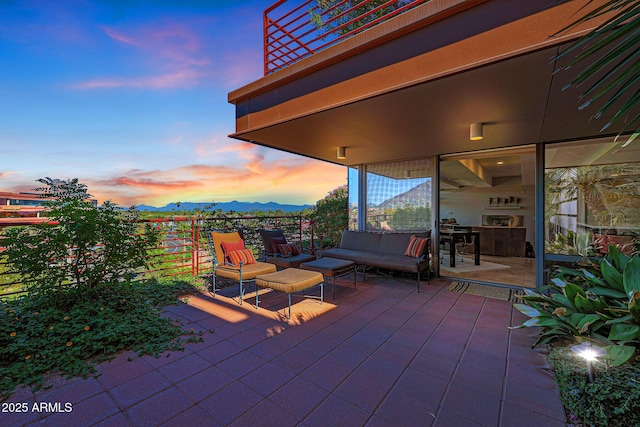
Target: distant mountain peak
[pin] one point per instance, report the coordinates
(234, 205)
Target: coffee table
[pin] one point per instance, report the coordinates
(331, 268)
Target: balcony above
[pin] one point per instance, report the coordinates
(410, 86)
(296, 29)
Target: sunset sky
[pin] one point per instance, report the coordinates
(130, 97)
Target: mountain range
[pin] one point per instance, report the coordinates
(235, 206)
(419, 195)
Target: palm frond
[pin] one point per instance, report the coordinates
(614, 49)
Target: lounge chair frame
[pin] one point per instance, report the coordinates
(242, 274)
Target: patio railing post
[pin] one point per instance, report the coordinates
(194, 248)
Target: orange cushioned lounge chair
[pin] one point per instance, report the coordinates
(236, 265)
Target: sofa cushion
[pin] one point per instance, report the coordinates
(359, 257)
(394, 243)
(390, 261)
(395, 262)
(357, 240)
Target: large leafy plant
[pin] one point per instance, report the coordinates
(612, 76)
(598, 301)
(82, 245)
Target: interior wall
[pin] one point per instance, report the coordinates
(468, 204)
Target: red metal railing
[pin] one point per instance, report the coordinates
(184, 249)
(296, 29)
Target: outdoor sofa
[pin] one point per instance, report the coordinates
(384, 250)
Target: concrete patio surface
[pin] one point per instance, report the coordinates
(379, 355)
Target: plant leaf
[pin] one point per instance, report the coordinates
(611, 275)
(586, 321)
(634, 306)
(618, 354)
(618, 259)
(624, 332)
(527, 310)
(584, 305)
(571, 290)
(631, 275)
(624, 319)
(592, 278)
(607, 292)
(563, 301)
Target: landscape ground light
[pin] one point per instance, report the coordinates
(589, 353)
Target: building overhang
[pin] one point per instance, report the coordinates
(503, 74)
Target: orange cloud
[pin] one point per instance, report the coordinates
(147, 183)
(286, 181)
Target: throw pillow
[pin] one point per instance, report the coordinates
(232, 246)
(416, 246)
(275, 242)
(288, 249)
(241, 255)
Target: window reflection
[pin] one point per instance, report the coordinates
(592, 198)
(399, 196)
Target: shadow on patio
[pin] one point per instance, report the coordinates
(381, 355)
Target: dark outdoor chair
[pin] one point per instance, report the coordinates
(275, 252)
(460, 245)
(222, 269)
(466, 242)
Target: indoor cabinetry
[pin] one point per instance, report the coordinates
(502, 241)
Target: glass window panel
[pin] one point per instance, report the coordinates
(592, 197)
(353, 198)
(399, 196)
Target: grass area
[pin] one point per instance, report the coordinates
(68, 331)
(613, 399)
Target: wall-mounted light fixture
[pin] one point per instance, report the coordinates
(475, 132)
(342, 153)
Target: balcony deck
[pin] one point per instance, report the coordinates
(378, 355)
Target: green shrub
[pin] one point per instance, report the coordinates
(598, 301)
(613, 399)
(81, 306)
(83, 245)
(331, 215)
(37, 338)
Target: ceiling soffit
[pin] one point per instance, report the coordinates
(519, 100)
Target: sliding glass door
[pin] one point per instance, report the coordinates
(487, 216)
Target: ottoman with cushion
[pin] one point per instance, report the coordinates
(332, 267)
(289, 281)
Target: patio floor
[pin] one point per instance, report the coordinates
(381, 355)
